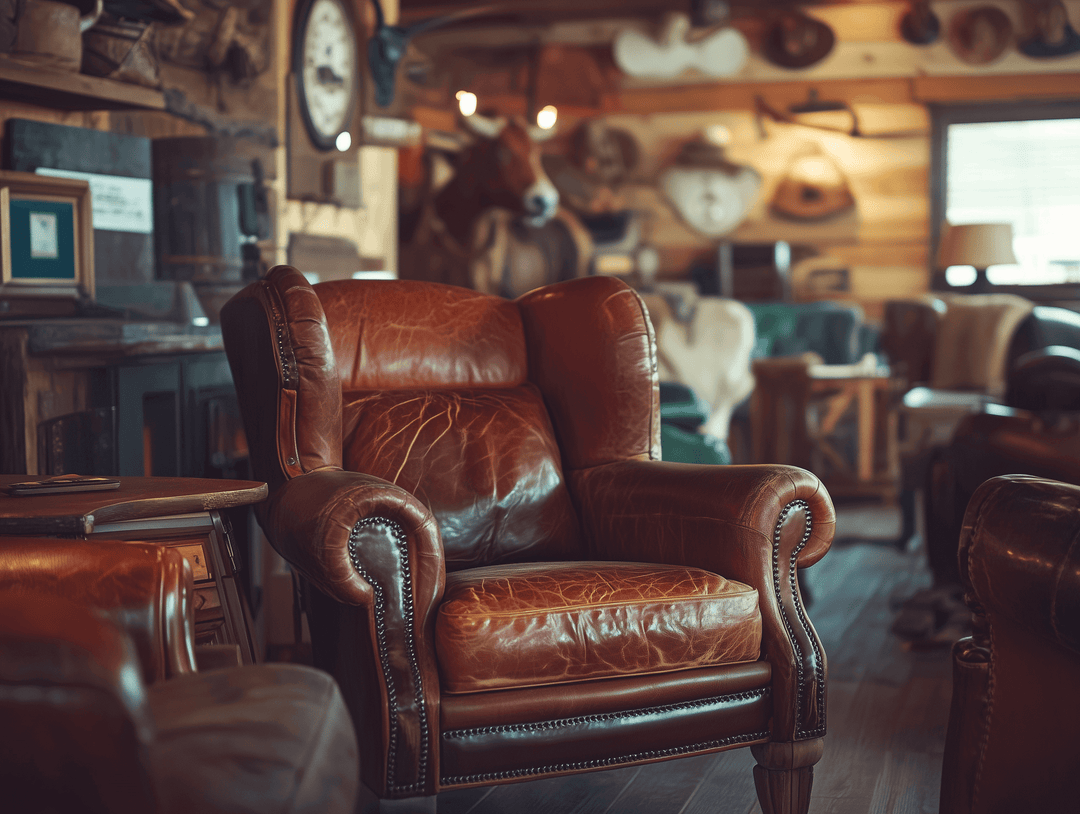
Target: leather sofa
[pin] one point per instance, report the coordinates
(504, 578)
(955, 356)
(1036, 432)
(1011, 740)
(103, 711)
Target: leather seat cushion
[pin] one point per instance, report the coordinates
(535, 624)
(269, 737)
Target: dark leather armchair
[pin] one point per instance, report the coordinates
(1011, 742)
(954, 372)
(103, 712)
(505, 579)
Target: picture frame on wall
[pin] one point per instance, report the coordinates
(46, 240)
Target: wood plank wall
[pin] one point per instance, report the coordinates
(890, 84)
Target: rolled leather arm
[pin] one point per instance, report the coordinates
(71, 697)
(366, 543)
(312, 518)
(145, 589)
(754, 524)
(1018, 554)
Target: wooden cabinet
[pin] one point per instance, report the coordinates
(183, 513)
(105, 397)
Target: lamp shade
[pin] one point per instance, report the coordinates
(977, 244)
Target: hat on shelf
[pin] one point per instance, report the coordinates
(980, 35)
(797, 40)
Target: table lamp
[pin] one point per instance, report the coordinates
(977, 244)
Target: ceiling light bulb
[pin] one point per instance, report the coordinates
(547, 117)
(466, 102)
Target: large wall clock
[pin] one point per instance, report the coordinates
(326, 68)
(324, 102)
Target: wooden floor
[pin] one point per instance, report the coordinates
(888, 709)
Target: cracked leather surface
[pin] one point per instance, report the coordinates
(484, 461)
(552, 623)
(730, 520)
(592, 353)
(558, 391)
(401, 335)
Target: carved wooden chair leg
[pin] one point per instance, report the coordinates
(784, 775)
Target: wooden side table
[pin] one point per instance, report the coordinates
(184, 513)
(783, 432)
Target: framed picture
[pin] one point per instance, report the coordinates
(46, 237)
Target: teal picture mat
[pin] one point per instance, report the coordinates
(25, 267)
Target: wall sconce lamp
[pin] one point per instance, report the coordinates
(547, 117)
(466, 102)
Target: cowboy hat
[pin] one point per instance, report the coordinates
(798, 41)
(980, 35)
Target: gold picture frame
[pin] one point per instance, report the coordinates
(46, 237)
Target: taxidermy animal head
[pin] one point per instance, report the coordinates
(502, 168)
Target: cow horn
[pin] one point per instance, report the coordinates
(484, 126)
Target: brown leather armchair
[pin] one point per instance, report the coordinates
(103, 712)
(1011, 742)
(506, 581)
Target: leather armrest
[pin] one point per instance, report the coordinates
(311, 519)
(754, 524)
(374, 553)
(145, 589)
(722, 519)
(1019, 557)
(70, 698)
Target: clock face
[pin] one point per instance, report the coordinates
(327, 70)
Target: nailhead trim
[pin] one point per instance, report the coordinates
(398, 535)
(654, 754)
(800, 732)
(288, 373)
(558, 723)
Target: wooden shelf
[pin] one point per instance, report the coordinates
(68, 90)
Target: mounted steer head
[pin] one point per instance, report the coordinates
(502, 168)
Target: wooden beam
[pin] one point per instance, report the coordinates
(741, 96)
(931, 89)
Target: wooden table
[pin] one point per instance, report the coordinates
(184, 513)
(798, 407)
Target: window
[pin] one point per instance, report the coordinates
(1017, 164)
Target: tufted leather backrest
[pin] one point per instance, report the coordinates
(473, 403)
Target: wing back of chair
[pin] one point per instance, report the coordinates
(463, 399)
(278, 345)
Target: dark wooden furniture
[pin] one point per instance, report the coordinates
(182, 513)
(504, 578)
(66, 90)
(800, 412)
(151, 388)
